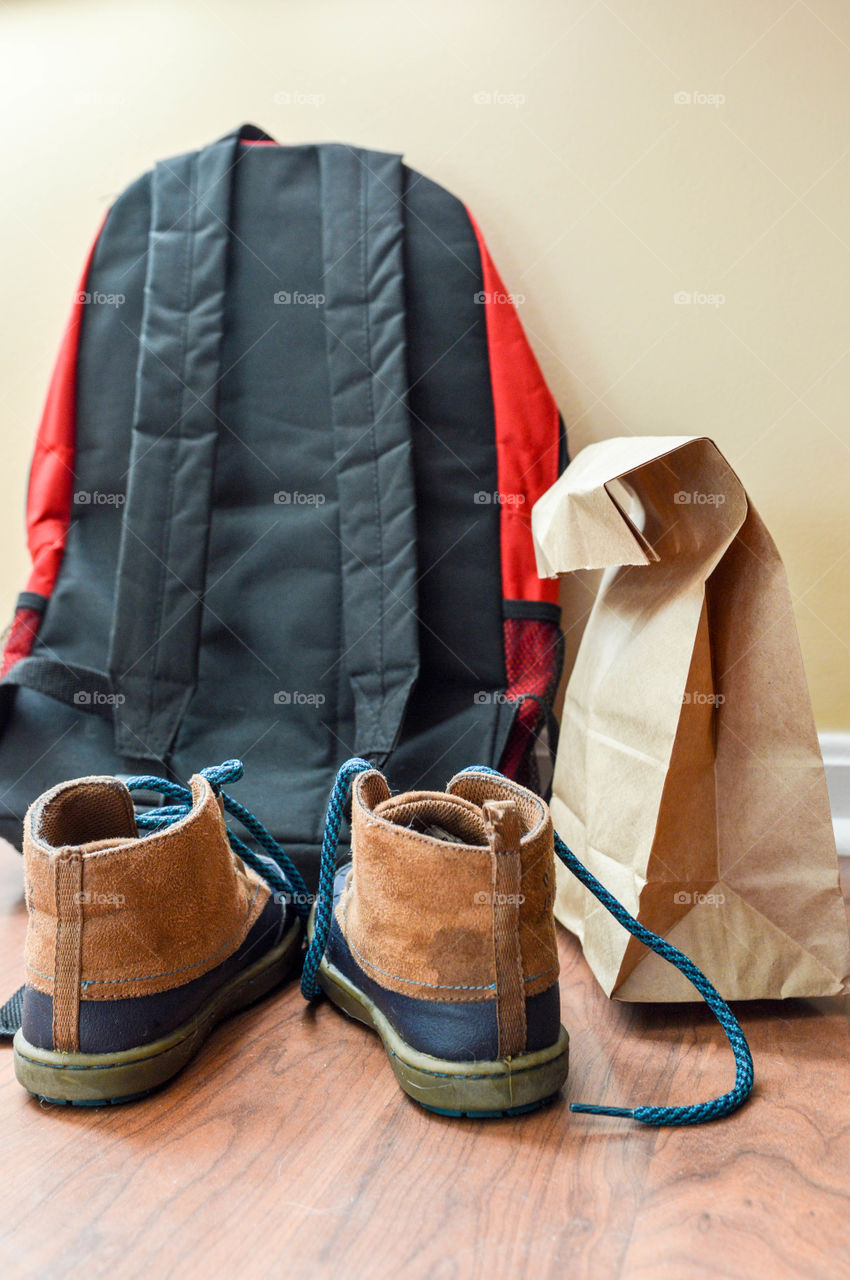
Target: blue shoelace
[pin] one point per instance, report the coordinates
(698, 1113)
(310, 988)
(277, 869)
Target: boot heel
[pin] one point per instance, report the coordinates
(98, 1079)
(486, 1089)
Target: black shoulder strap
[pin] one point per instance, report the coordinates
(153, 655)
(364, 313)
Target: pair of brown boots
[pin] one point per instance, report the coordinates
(148, 926)
(146, 929)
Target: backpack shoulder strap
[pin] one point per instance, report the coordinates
(153, 656)
(364, 315)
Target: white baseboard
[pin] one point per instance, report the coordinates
(836, 758)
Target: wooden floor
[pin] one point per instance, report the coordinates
(287, 1149)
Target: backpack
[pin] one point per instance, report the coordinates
(280, 500)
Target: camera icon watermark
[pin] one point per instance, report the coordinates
(698, 298)
(100, 299)
(292, 897)
(496, 298)
(498, 98)
(97, 698)
(484, 498)
(296, 698)
(94, 498)
(696, 98)
(86, 898)
(696, 698)
(285, 498)
(297, 98)
(484, 899)
(683, 898)
(294, 298)
(698, 498)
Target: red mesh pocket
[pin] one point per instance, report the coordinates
(21, 637)
(534, 656)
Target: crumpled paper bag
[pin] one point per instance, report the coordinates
(688, 775)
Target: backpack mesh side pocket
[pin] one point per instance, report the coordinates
(534, 657)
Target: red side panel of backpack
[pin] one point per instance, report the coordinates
(528, 443)
(51, 485)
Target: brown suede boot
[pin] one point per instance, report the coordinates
(138, 944)
(442, 939)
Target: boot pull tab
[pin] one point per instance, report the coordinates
(503, 825)
(504, 833)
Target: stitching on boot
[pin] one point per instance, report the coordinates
(68, 880)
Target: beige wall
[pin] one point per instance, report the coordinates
(601, 196)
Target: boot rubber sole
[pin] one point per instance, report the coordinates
(480, 1090)
(98, 1079)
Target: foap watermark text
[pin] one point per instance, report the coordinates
(98, 698)
(483, 498)
(698, 298)
(288, 498)
(685, 898)
(94, 498)
(698, 498)
(697, 98)
(298, 698)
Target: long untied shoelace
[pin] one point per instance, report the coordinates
(277, 868)
(697, 1113)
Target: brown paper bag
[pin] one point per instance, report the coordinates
(688, 776)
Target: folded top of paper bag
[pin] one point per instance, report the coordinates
(590, 519)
